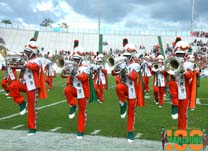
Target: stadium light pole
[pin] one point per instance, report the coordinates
(100, 36)
(99, 25)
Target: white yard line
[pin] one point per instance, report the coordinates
(18, 126)
(203, 104)
(111, 87)
(52, 104)
(166, 99)
(95, 132)
(39, 108)
(1, 91)
(138, 135)
(147, 97)
(203, 98)
(198, 101)
(55, 129)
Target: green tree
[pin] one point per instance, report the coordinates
(6, 21)
(64, 25)
(47, 22)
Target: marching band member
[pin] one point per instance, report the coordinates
(32, 82)
(164, 137)
(146, 72)
(100, 78)
(1, 62)
(193, 82)
(49, 75)
(77, 91)
(126, 88)
(159, 82)
(3, 66)
(3, 52)
(173, 91)
(8, 78)
(182, 82)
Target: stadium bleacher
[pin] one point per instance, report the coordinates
(16, 39)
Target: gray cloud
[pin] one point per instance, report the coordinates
(110, 11)
(114, 11)
(24, 10)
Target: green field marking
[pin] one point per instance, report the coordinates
(18, 126)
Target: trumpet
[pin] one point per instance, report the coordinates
(173, 66)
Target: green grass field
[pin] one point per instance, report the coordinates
(105, 117)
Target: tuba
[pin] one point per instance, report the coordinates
(173, 66)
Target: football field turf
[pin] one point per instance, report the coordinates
(103, 119)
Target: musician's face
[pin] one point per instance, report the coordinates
(180, 56)
(160, 63)
(77, 61)
(28, 53)
(99, 62)
(128, 57)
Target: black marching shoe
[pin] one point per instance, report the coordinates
(123, 110)
(31, 132)
(130, 137)
(72, 112)
(22, 108)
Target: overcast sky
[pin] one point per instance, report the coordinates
(138, 14)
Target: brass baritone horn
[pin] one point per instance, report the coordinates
(155, 67)
(173, 66)
(68, 66)
(3, 53)
(196, 67)
(111, 61)
(16, 60)
(59, 61)
(120, 64)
